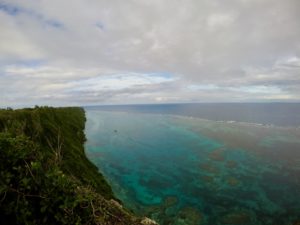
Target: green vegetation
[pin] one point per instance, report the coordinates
(45, 177)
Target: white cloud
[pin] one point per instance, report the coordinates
(118, 82)
(213, 50)
(217, 21)
(202, 87)
(259, 89)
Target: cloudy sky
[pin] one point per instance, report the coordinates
(89, 52)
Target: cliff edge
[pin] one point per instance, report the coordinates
(45, 177)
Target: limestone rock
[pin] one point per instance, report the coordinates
(147, 221)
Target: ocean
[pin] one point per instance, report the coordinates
(210, 164)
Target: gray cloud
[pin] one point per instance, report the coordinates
(59, 52)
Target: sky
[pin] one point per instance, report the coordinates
(93, 52)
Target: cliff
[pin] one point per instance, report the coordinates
(45, 177)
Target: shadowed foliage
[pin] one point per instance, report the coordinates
(45, 176)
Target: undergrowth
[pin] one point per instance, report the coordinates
(45, 177)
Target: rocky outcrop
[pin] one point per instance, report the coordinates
(147, 221)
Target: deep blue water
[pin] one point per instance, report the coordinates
(281, 114)
(186, 170)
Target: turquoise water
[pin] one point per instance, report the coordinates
(181, 170)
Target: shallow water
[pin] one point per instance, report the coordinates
(181, 170)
